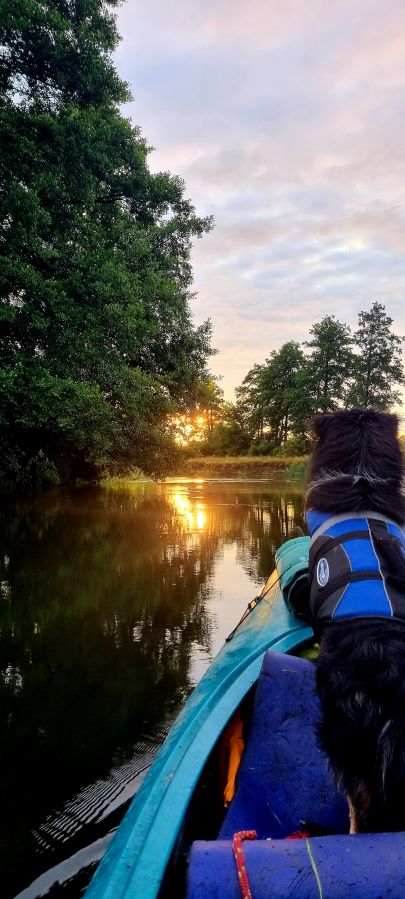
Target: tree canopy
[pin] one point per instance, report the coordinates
(378, 367)
(330, 363)
(96, 338)
(333, 369)
(269, 394)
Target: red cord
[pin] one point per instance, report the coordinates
(240, 860)
(298, 835)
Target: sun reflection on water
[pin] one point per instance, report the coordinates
(193, 515)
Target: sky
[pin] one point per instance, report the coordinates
(286, 120)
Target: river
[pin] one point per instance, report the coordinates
(113, 602)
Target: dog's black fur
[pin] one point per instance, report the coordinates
(356, 466)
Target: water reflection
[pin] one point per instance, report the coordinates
(195, 517)
(112, 603)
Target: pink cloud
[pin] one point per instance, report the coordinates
(286, 122)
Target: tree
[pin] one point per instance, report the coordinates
(210, 403)
(378, 366)
(228, 436)
(329, 366)
(194, 425)
(250, 402)
(96, 339)
(277, 400)
(268, 395)
(279, 387)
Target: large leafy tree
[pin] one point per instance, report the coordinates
(329, 366)
(279, 389)
(378, 367)
(268, 395)
(96, 338)
(250, 404)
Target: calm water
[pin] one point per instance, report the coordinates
(112, 604)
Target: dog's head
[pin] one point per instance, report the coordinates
(357, 463)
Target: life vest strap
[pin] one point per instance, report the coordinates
(343, 581)
(345, 516)
(329, 543)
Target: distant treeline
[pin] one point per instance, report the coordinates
(334, 369)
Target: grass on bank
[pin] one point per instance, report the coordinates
(287, 467)
(245, 461)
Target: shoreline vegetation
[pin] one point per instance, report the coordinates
(292, 468)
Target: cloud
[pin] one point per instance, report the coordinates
(286, 122)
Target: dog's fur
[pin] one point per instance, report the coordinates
(356, 466)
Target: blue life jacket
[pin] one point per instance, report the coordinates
(357, 567)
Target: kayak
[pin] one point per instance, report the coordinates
(283, 824)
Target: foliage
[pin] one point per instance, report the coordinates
(194, 426)
(96, 339)
(293, 446)
(297, 471)
(268, 395)
(262, 447)
(250, 402)
(277, 400)
(378, 362)
(329, 364)
(228, 436)
(210, 403)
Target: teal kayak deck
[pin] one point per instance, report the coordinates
(136, 860)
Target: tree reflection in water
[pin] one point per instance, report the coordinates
(107, 597)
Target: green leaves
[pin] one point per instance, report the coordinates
(57, 50)
(271, 393)
(278, 399)
(95, 279)
(378, 362)
(330, 363)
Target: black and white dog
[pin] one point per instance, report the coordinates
(355, 513)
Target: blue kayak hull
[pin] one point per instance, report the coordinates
(136, 860)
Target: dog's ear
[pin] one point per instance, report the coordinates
(392, 422)
(387, 422)
(320, 425)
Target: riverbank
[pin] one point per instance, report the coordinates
(288, 468)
